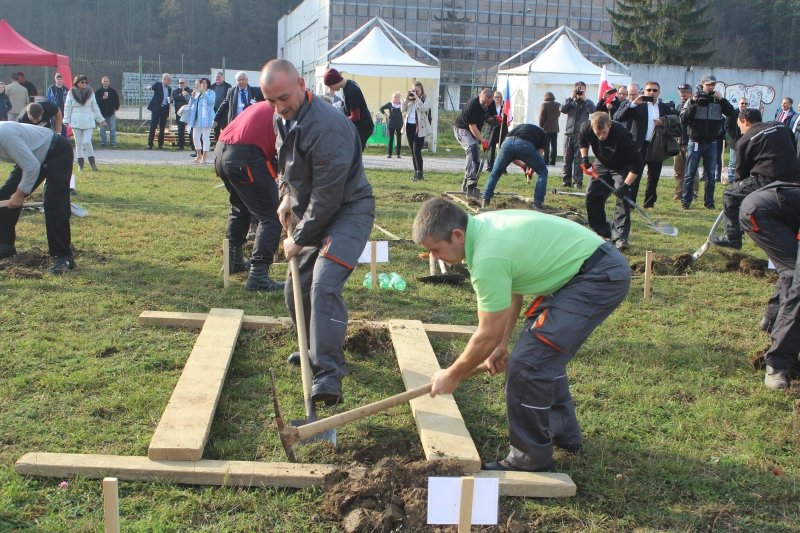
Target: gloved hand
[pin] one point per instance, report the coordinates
(586, 163)
(623, 190)
(485, 144)
(499, 119)
(529, 173)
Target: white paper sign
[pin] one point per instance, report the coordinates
(770, 265)
(382, 255)
(444, 500)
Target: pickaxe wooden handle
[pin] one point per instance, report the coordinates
(292, 435)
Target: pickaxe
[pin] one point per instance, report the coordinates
(569, 193)
(292, 435)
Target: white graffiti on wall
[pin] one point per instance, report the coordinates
(756, 95)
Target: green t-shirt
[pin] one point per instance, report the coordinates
(523, 252)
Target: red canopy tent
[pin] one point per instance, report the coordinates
(17, 50)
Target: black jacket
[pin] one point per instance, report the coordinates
(229, 108)
(577, 112)
(108, 104)
(768, 152)
(395, 121)
(180, 97)
(637, 116)
(617, 152)
(158, 96)
(704, 118)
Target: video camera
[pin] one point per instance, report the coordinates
(703, 97)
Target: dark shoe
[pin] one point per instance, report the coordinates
(80, 163)
(266, 285)
(149, 146)
(538, 205)
(710, 206)
(92, 163)
(504, 466)
(764, 325)
(236, 260)
(103, 145)
(326, 394)
(570, 448)
(389, 156)
(485, 203)
(472, 192)
(61, 265)
(191, 154)
(113, 146)
(7, 250)
(416, 176)
(725, 242)
(398, 156)
(621, 245)
(684, 206)
(180, 148)
(579, 185)
(294, 359)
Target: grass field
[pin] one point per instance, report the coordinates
(680, 433)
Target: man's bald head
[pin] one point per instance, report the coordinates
(283, 87)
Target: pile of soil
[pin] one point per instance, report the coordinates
(664, 265)
(421, 197)
(757, 359)
(513, 202)
(364, 339)
(30, 264)
(737, 262)
(390, 496)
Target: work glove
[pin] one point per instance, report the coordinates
(586, 163)
(623, 190)
(499, 119)
(485, 145)
(528, 173)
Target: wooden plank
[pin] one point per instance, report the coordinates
(439, 423)
(465, 505)
(182, 432)
(249, 473)
(111, 504)
(648, 274)
(205, 472)
(196, 321)
(532, 484)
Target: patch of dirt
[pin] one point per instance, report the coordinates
(375, 453)
(364, 339)
(513, 203)
(398, 196)
(664, 265)
(737, 262)
(390, 496)
(421, 197)
(757, 359)
(28, 265)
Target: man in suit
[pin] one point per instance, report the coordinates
(785, 114)
(237, 100)
(159, 110)
(180, 98)
(644, 113)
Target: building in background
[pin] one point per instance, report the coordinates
(470, 37)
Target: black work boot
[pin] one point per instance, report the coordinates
(727, 242)
(91, 163)
(236, 259)
(80, 163)
(259, 280)
(485, 203)
(61, 265)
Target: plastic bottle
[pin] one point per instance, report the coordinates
(398, 283)
(384, 280)
(368, 280)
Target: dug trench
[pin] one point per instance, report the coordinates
(33, 263)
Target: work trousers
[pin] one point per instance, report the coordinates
(514, 148)
(395, 134)
(771, 216)
(695, 151)
(541, 411)
(551, 148)
(572, 162)
(472, 150)
(56, 169)
(253, 194)
(415, 143)
(653, 175)
(324, 269)
(596, 196)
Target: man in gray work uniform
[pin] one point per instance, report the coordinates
(325, 189)
(38, 154)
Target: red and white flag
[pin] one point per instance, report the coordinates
(604, 85)
(507, 103)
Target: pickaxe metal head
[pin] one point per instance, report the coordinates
(287, 434)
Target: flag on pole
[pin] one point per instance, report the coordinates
(507, 102)
(604, 85)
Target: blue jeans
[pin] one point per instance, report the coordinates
(514, 148)
(694, 151)
(112, 126)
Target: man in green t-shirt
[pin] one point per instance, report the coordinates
(577, 279)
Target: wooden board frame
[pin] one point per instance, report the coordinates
(417, 362)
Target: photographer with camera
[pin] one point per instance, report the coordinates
(417, 112)
(703, 115)
(577, 108)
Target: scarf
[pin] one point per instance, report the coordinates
(81, 95)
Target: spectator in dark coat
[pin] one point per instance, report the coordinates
(548, 121)
(394, 122)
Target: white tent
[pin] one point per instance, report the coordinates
(380, 65)
(556, 68)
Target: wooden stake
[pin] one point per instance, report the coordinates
(226, 262)
(465, 510)
(431, 264)
(648, 274)
(111, 504)
(373, 262)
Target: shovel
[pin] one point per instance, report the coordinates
(700, 251)
(292, 435)
(77, 210)
(305, 362)
(655, 225)
(569, 193)
(443, 278)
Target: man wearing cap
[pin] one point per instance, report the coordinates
(703, 115)
(679, 166)
(38, 154)
(355, 107)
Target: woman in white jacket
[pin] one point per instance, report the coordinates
(416, 108)
(81, 113)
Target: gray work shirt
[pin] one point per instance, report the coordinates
(27, 146)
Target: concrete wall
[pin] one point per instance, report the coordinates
(761, 87)
(303, 35)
